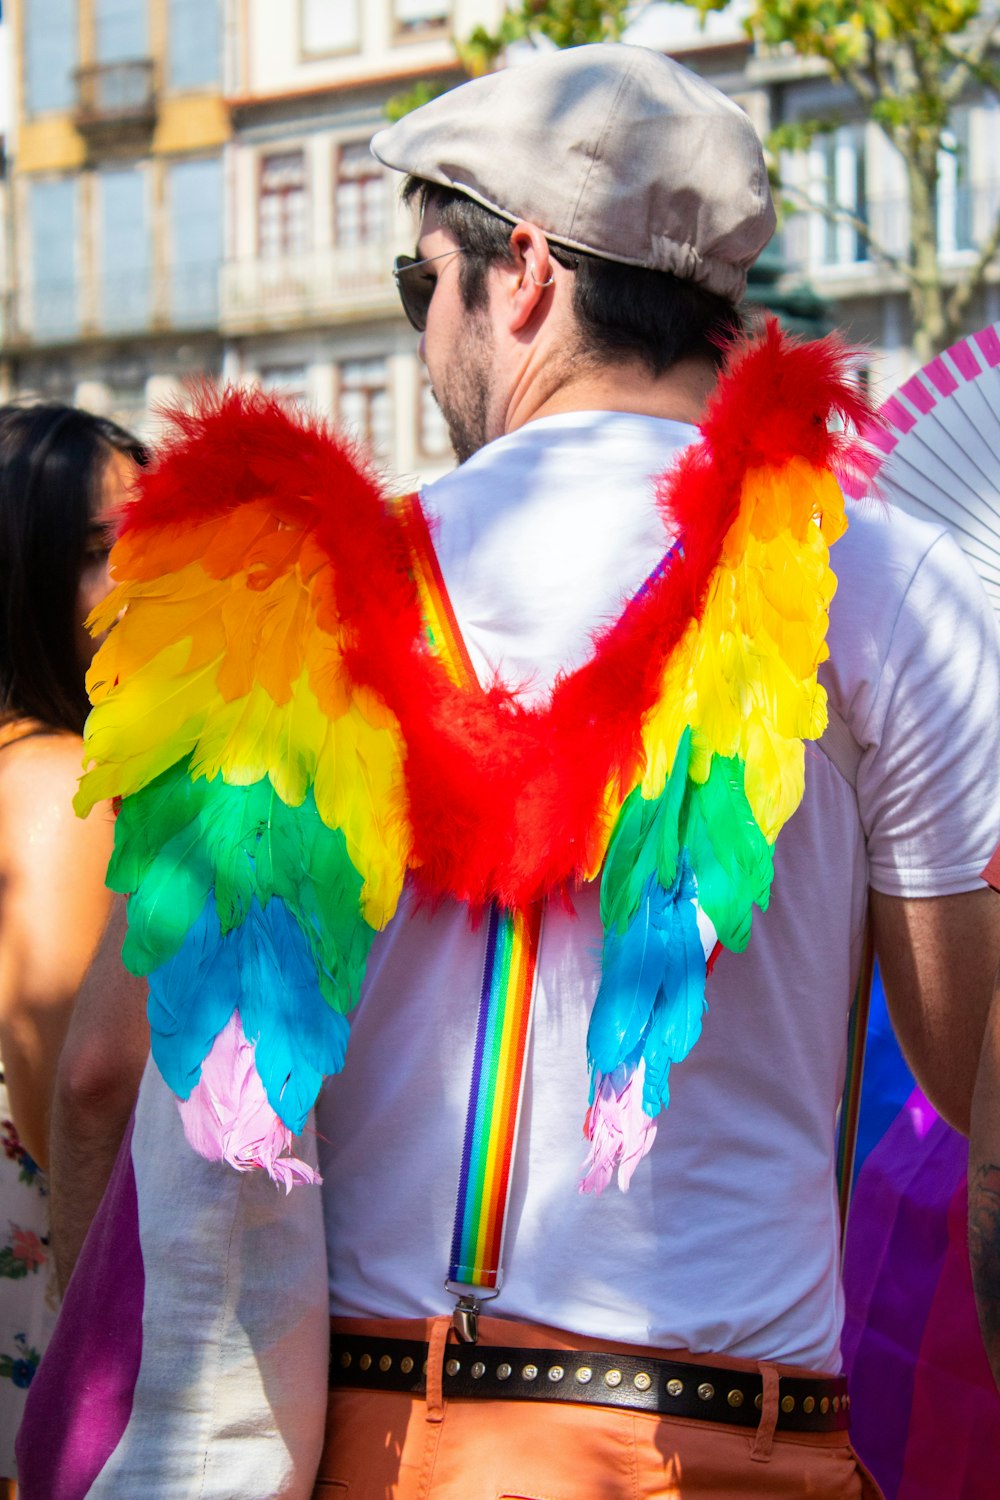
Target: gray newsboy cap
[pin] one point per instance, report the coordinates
(610, 148)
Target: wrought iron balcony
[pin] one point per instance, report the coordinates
(116, 102)
(120, 304)
(339, 284)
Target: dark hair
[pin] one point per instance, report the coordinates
(622, 312)
(52, 460)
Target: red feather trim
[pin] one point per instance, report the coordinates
(505, 801)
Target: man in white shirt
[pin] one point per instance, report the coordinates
(587, 223)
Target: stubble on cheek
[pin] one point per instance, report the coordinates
(464, 390)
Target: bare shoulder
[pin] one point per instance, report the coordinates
(37, 759)
(38, 780)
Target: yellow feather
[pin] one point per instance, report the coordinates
(744, 677)
(182, 606)
(358, 788)
(143, 726)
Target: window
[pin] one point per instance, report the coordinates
(124, 278)
(432, 430)
(50, 55)
(954, 187)
(52, 210)
(121, 30)
(837, 173)
(329, 26)
(420, 15)
(289, 382)
(365, 405)
(195, 195)
(360, 197)
(194, 50)
(281, 218)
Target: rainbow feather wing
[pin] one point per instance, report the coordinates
(260, 838)
(691, 851)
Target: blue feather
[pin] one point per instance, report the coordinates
(191, 997)
(631, 974)
(265, 966)
(680, 1004)
(300, 1038)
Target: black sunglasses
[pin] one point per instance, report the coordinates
(416, 286)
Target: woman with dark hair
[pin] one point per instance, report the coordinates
(63, 473)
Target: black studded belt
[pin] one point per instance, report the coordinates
(632, 1382)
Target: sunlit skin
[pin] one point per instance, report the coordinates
(52, 862)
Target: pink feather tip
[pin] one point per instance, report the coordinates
(619, 1131)
(227, 1117)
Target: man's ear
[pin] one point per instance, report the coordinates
(533, 276)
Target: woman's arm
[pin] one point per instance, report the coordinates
(95, 1088)
(53, 909)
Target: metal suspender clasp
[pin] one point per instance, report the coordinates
(469, 1300)
(465, 1319)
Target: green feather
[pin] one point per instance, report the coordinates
(645, 839)
(169, 900)
(626, 860)
(181, 839)
(671, 807)
(150, 818)
(732, 860)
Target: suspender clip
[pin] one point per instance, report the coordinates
(465, 1319)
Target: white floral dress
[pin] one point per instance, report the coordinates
(28, 1296)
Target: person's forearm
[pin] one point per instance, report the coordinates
(96, 1084)
(984, 1189)
(84, 1147)
(30, 1047)
(938, 956)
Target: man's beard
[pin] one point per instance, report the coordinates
(464, 390)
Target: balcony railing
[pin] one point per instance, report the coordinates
(341, 283)
(114, 305)
(116, 101)
(814, 243)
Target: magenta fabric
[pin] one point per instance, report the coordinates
(81, 1398)
(925, 1414)
(953, 1447)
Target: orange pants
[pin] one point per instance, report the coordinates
(381, 1445)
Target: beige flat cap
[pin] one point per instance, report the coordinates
(612, 149)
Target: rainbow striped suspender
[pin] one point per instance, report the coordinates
(475, 1269)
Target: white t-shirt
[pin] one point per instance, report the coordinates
(727, 1239)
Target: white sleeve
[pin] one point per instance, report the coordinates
(230, 1397)
(929, 778)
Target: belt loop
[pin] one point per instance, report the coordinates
(763, 1444)
(440, 1328)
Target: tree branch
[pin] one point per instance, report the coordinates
(963, 294)
(988, 39)
(971, 62)
(867, 89)
(837, 215)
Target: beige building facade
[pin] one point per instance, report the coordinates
(189, 192)
(115, 218)
(308, 304)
